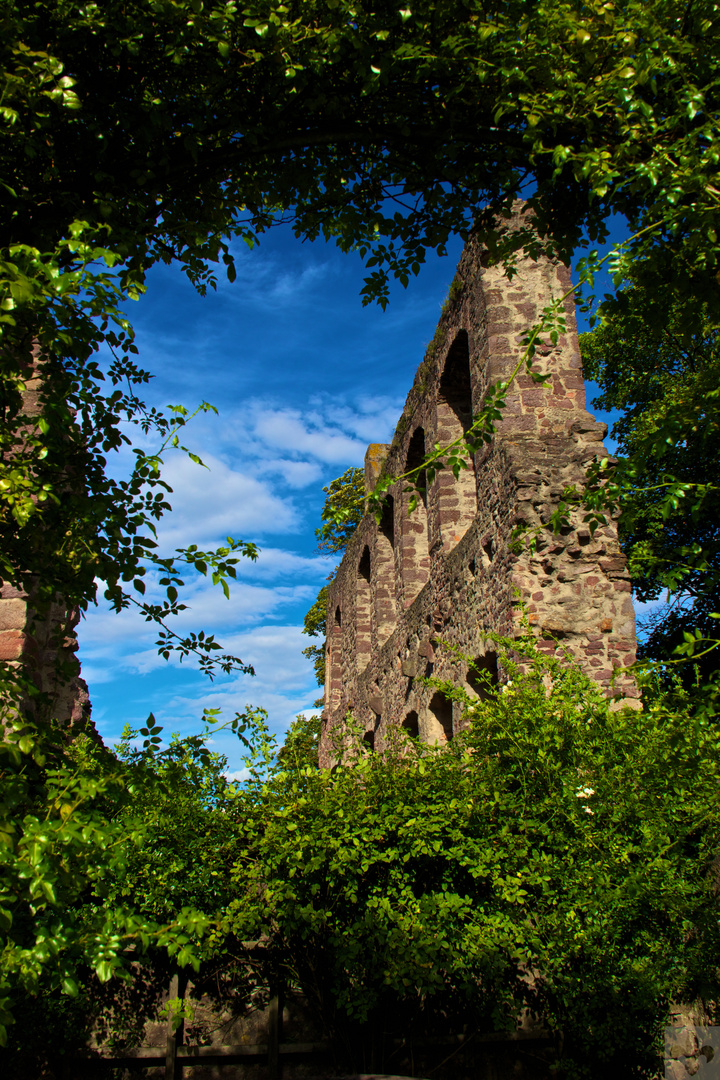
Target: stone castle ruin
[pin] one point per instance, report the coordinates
(448, 573)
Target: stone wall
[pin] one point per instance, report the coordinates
(44, 642)
(447, 573)
(45, 645)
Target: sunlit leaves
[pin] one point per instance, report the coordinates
(557, 832)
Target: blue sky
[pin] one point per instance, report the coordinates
(303, 377)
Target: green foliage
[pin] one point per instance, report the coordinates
(61, 845)
(558, 856)
(184, 806)
(315, 621)
(315, 624)
(662, 371)
(300, 749)
(342, 511)
(212, 121)
(102, 855)
(134, 133)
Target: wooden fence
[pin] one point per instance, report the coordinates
(177, 1057)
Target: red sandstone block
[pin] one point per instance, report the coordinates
(12, 644)
(13, 614)
(516, 423)
(616, 563)
(500, 324)
(9, 592)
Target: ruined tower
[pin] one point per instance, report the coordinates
(448, 573)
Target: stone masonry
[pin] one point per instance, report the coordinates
(446, 574)
(44, 642)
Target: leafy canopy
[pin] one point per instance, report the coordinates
(662, 370)
(132, 133)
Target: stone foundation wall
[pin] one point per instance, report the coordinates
(447, 573)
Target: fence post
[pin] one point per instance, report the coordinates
(275, 1011)
(173, 1067)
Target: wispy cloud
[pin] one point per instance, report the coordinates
(217, 501)
(286, 429)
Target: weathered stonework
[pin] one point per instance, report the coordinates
(45, 645)
(447, 574)
(44, 642)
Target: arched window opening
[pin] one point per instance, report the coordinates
(333, 662)
(387, 521)
(440, 718)
(411, 724)
(415, 457)
(369, 740)
(363, 608)
(415, 558)
(488, 547)
(385, 606)
(457, 498)
(482, 675)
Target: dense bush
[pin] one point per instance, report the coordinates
(556, 857)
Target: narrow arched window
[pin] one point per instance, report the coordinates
(440, 718)
(363, 609)
(457, 498)
(385, 607)
(333, 662)
(411, 724)
(483, 676)
(414, 540)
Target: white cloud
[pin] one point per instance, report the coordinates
(296, 474)
(285, 429)
(213, 503)
(278, 562)
(113, 644)
(372, 419)
(284, 686)
(263, 280)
